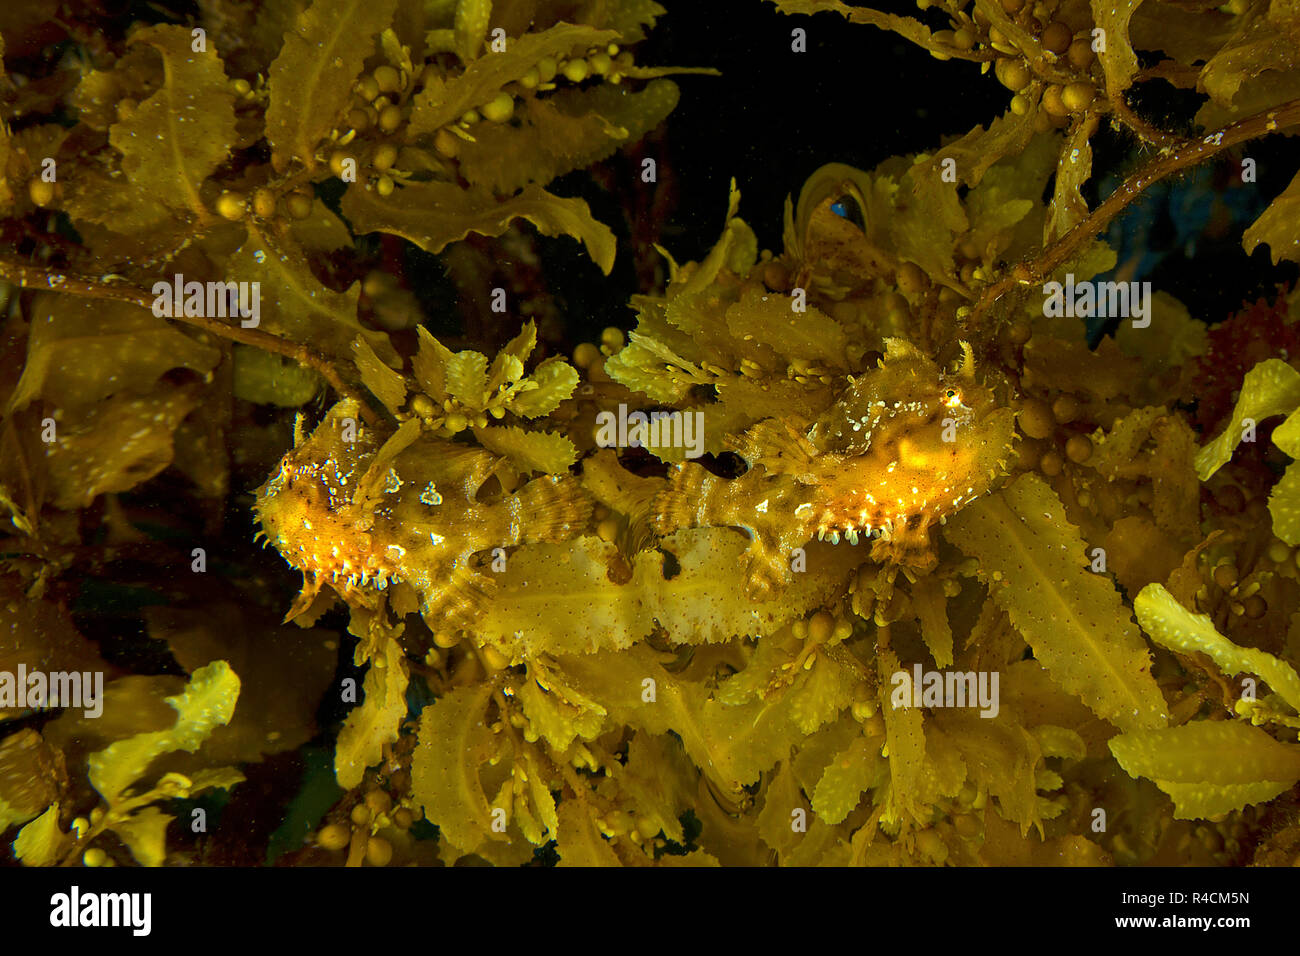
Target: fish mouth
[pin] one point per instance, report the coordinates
(852, 534)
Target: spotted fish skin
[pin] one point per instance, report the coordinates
(360, 510)
(903, 446)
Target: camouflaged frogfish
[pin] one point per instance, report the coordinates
(362, 511)
(905, 445)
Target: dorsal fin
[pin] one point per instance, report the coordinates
(966, 364)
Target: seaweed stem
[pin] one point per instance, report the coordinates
(1165, 164)
(1141, 128)
(30, 276)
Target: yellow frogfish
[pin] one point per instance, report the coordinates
(363, 511)
(905, 445)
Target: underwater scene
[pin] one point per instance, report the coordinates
(617, 433)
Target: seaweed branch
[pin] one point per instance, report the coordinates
(1162, 166)
(29, 276)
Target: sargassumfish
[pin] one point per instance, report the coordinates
(361, 510)
(905, 445)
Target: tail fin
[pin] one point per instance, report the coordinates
(553, 508)
(684, 503)
(457, 601)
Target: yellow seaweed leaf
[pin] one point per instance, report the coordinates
(116, 444)
(221, 778)
(694, 858)
(1150, 443)
(145, 835)
(563, 132)
(1276, 226)
(1210, 767)
(322, 231)
(768, 668)
(252, 644)
(550, 383)
(1272, 387)
(508, 365)
(548, 452)
(566, 132)
(1287, 435)
(818, 750)
(733, 249)
(469, 27)
(296, 305)
(466, 378)
(560, 599)
(1284, 505)
(945, 771)
(29, 777)
(1001, 200)
(207, 702)
(579, 843)
(1005, 845)
(1182, 336)
(650, 366)
(660, 779)
(905, 741)
(1070, 365)
(632, 19)
(907, 27)
(454, 743)
(1033, 561)
(178, 136)
(80, 351)
(931, 607)
(311, 79)
(1284, 499)
(1000, 756)
(926, 219)
(387, 385)
(378, 718)
(822, 845)
(1074, 168)
(42, 842)
(433, 215)
(430, 365)
(732, 745)
(810, 335)
(1060, 742)
(844, 780)
(94, 198)
(814, 693)
(1171, 625)
(1260, 42)
(1118, 61)
(543, 821)
(555, 710)
(821, 692)
(444, 101)
(781, 799)
(270, 379)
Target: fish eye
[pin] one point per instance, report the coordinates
(846, 207)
